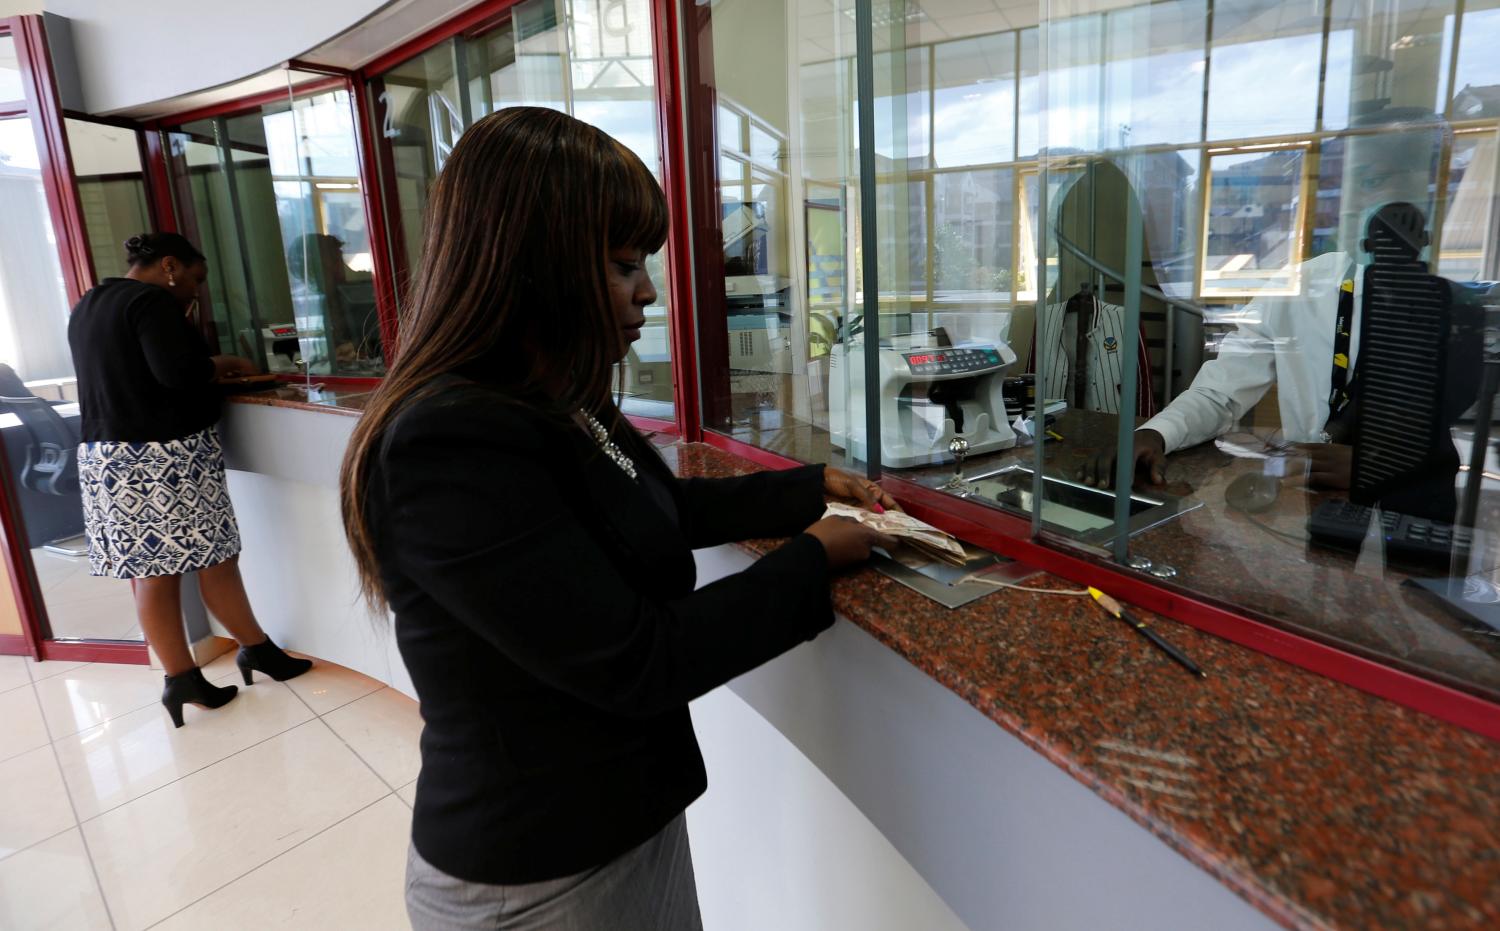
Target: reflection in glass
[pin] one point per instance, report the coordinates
(1254, 235)
(1255, 46)
(974, 100)
(273, 198)
(111, 190)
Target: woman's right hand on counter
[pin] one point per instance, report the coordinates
(233, 367)
(847, 542)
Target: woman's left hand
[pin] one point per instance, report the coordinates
(843, 484)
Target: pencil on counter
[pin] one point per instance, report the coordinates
(1116, 609)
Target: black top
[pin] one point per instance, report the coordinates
(545, 608)
(144, 373)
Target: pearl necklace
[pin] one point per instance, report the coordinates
(601, 436)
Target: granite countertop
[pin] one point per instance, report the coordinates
(347, 401)
(1262, 563)
(1319, 804)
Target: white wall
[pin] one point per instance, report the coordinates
(777, 845)
(135, 53)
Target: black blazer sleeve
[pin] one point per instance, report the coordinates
(476, 519)
(175, 353)
(763, 504)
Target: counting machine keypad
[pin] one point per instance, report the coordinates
(952, 361)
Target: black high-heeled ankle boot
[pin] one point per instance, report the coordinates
(190, 688)
(269, 658)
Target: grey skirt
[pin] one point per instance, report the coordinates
(650, 887)
(153, 509)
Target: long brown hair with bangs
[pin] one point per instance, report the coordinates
(511, 289)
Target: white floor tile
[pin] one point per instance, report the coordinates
(13, 672)
(136, 753)
(50, 668)
(350, 876)
(22, 728)
(51, 886)
(408, 793)
(327, 686)
(35, 803)
(81, 698)
(166, 850)
(383, 728)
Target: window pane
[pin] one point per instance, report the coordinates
(1254, 222)
(419, 107)
(10, 71)
(111, 190)
(34, 345)
(974, 101)
(972, 235)
(274, 198)
(1468, 248)
(206, 211)
(1153, 73)
(1398, 56)
(590, 58)
(33, 298)
(314, 176)
(1260, 44)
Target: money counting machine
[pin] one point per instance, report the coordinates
(927, 395)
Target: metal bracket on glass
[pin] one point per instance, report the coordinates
(958, 485)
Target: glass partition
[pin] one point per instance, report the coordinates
(1235, 255)
(273, 198)
(111, 190)
(590, 58)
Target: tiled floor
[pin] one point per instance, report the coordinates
(82, 606)
(287, 808)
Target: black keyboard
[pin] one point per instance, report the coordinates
(1412, 541)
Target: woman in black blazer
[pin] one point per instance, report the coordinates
(536, 551)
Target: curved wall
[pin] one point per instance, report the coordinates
(130, 54)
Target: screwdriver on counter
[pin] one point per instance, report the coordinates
(1113, 607)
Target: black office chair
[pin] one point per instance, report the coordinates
(11, 385)
(52, 456)
(51, 465)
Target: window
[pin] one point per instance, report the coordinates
(1254, 230)
(111, 190)
(593, 61)
(10, 71)
(1251, 162)
(273, 196)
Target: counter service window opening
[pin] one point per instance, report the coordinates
(273, 196)
(1223, 222)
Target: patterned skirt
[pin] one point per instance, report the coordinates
(157, 508)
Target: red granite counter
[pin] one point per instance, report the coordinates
(1321, 805)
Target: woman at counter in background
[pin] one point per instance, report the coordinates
(537, 552)
(156, 503)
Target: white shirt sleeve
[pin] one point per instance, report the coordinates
(1226, 387)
